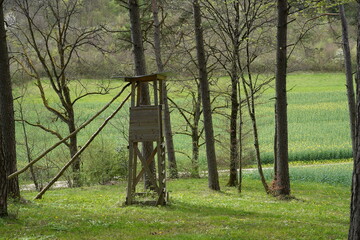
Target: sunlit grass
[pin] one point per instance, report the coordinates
(320, 211)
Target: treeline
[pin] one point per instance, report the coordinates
(315, 39)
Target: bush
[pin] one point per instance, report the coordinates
(103, 164)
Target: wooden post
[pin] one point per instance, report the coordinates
(130, 187)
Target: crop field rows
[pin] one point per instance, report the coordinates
(317, 112)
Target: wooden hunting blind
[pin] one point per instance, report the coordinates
(146, 125)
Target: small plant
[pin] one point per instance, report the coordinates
(103, 164)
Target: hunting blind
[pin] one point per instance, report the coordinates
(146, 125)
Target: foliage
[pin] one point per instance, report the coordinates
(104, 163)
(320, 211)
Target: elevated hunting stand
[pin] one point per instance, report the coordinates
(146, 125)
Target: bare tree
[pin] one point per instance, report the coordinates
(140, 69)
(282, 179)
(8, 152)
(54, 36)
(213, 178)
(349, 77)
(3, 174)
(227, 18)
(354, 229)
(232, 22)
(160, 66)
(250, 87)
(253, 86)
(26, 143)
(191, 114)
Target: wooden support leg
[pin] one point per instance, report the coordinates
(161, 172)
(130, 187)
(135, 145)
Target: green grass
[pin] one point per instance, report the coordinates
(320, 211)
(318, 118)
(330, 173)
(317, 112)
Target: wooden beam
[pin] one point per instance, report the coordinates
(150, 159)
(146, 78)
(147, 169)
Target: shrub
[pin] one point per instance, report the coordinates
(104, 163)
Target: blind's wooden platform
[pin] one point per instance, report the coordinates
(146, 78)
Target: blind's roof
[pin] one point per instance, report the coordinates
(145, 78)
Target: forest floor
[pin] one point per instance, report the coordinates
(319, 210)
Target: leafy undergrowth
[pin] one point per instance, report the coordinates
(319, 211)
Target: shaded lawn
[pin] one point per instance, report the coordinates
(320, 211)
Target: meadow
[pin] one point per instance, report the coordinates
(319, 210)
(317, 112)
(318, 118)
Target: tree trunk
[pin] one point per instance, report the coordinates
(234, 154)
(354, 229)
(282, 184)
(195, 134)
(257, 150)
(195, 152)
(349, 77)
(3, 174)
(167, 119)
(140, 69)
(241, 144)
(73, 150)
(234, 77)
(27, 147)
(275, 143)
(213, 177)
(7, 112)
(357, 75)
(250, 102)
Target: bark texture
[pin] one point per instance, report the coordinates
(241, 123)
(357, 78)
(234, 146)
(282, 183)
(349, 77)
(3, 179)
(140, 69)
(213, 177)
(167, 119)
(354, 230)
(234, 150)
(7, 112)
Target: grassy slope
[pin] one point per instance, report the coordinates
(319, 212)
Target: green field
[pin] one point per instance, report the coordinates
(317, 117)
(319, 211)
(317, 112)
(317, 120)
